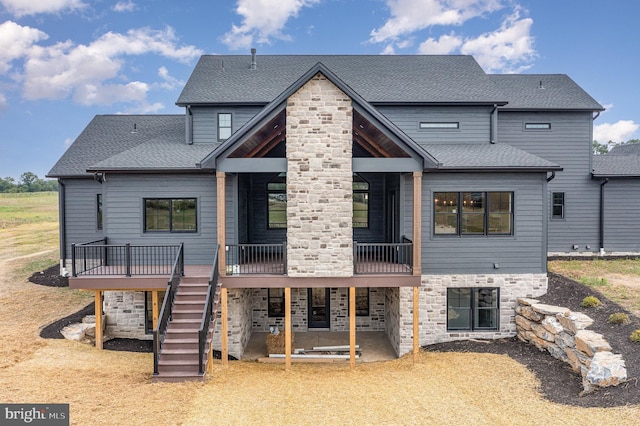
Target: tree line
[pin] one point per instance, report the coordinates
(28, 182)
(603, 148)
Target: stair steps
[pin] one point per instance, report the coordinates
(178, 359)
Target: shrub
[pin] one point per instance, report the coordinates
(590, 302)
(635, 336)
(618, 318)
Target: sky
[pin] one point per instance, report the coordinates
(64, 61)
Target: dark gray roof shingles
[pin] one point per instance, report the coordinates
(557, 92)
(616, 165)
(377, 78)
(486, 156)
(110, 141)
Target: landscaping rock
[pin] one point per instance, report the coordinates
(543, 309)
(574, 321)
(552, 325)
(607, 369)
(76, 331)
(589, 342)
(529, 313)
(525, 301)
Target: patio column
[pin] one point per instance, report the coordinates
(287, 328)
(222, 222)
(417, 259)
(154, 308)
(352, 327)
(98, 311)
(225, 326)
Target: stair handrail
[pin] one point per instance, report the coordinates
(210, 311)
(167, 306)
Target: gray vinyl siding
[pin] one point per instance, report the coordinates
(475, 123)
(621, 207)
(205, 121)
(81, 219)
(375, 232)
(523, 252)
(568, 143)
(123, 204)
(255, 198)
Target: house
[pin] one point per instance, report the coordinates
(416, 196)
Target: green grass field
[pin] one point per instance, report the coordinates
(28, 224)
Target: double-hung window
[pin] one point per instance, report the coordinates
(474, 309)
(277, 202)
(170, 215)
(360, 202)
(557, 205)
(224, 126)
(275, 300)
(473, 213)
(362, 301)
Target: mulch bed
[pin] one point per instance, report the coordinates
(558, 382)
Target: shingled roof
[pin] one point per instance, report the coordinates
(617, 165)
(377, 78)
(130, 142)
(543, 91)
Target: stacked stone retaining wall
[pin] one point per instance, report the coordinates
(563, 334)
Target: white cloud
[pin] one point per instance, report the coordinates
(169, 82)
(15, 42)
(408, 16)
(3, 102)
(68, 142)
(620, 131)
(124, 6)
(443, 46)
(87, 72)
(32, 7)
(508, 49)
(262, 20)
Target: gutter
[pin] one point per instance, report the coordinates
(63, 228)
(604, 182)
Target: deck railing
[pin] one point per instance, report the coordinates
(383, 258)
(268, 259)
(177, 272)
(99, 258)
(210, 312)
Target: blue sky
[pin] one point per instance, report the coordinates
(64, 61)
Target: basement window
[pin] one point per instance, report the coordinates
(473, 309)
(362, 301)
(275, 297)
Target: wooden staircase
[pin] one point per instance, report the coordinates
(179, 356)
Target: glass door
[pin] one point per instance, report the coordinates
(319, 309)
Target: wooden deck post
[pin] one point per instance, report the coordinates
(225, 326)
(154, 308)
(417, 259)
(222, 222)
(416, 324)
(287, 328)
(98, 311)
(417, 223)
(352, 327)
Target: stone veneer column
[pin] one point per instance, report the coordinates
(319, 181)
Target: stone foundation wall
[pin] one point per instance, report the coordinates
(433, 306)
(125, 314)
(563, 334)
(239, 322)
(392, 317)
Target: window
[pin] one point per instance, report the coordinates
(360, 202)
(473, 213)
(99, 212)
(440, 125)
(170, 215)
(277, 202)
(473, 309)
(362, 301)
(537, 126)
(224, 126)
(557, 205)
(275, 298)
(148, 309)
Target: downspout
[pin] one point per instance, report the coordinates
(63, 228)
(550, 178)
(493, 125)
(604, 182)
